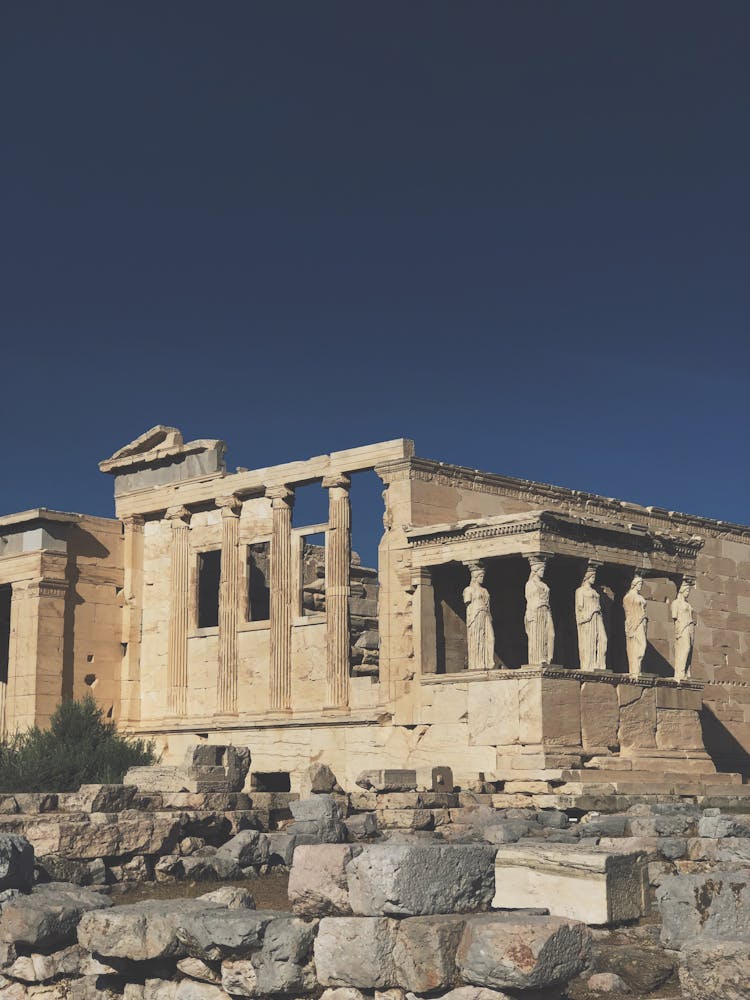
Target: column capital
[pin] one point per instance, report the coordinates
(539, 557)
(280, 496)
(336, 480)
(178, 514)
(134, 521)
(230, 506)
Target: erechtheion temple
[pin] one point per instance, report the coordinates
(509, 627)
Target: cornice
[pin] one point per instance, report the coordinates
(421, 469)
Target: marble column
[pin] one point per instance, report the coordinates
(230, 595)
(132, 613)
(425, 624)
(282, 595)
(338, 561)
(179, 611)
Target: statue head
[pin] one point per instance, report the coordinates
(589, 574)
(537, 564)
(637, 584)
(477, 572)
(685, 588)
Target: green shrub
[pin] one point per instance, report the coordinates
(80, 747)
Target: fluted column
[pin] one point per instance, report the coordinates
(230, 588)
(338, 561)
(132, 612)
(179, 611)
(282, 594)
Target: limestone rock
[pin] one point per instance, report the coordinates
(318, 883)
(362, 826)
(284, 963)
(318, 779)
(522, 953)
(389, 780)
(643, 967)
(317, 820)
(473, 993)
(103, 798)
(213, 934)
(188, 989)
(48, 917)
(16, 862)
(425, 951)
(233, 897)
(281, 848)
(141, 932)
(607, 982)
(248, 848)
(413, 879)
(588, 884)
(713, 905)
(238, 977)
(715, 969)
(356, 951)
(195, 969)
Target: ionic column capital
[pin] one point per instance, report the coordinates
(178, 516)
(280, 496)
(230, 506)
(337, 480)
(134, 522)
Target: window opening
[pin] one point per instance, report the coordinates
(5, 600)
(259, 582)
(209, 575)
(313, 573)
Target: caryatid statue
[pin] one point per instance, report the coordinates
(538, 619)
(479, 630)
(684, 631)
(636, 623)
(592, 636)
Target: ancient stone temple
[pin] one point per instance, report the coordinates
(510, 628)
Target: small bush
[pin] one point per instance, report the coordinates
(80, 747)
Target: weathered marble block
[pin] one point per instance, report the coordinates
(587, 884)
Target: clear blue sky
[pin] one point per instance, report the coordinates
(514, 231)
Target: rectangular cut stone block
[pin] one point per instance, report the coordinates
(637, 716)
(413, 879)
(600, 716)
(561, 712)
(530, 711)
(678, 729)
(684, 698)
(493, 713)
(589, 884)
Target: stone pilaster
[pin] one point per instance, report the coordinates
(37, 655)
(179, 611)
(132, 619)
(230, 592)
(425, 625)
(282, 595)
(338, 561)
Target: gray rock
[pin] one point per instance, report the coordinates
(607, 982)
(318, 779)
(215, 934)
(248, 848)
(238, 977)
(507, 831)
(713, 905)
(723, 826)
(281, 848)
(16, 862)
(413, 879)
(522, 953)
(472, 993)
(195, 969)
(210, 868)
(362, 826)
(284, 963)
(677, 825)
(168, 867)
(318, 881)
(141, 932)
(644, 968)
(53, 868)
(317, 820)
(604, 826)
(188, 989)
(356, 951)
(233, 897)
(425, 952)
(47, 918)
(715, 969)
(553, 819)
(102, 798)
(672, 847)
(393, 780)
